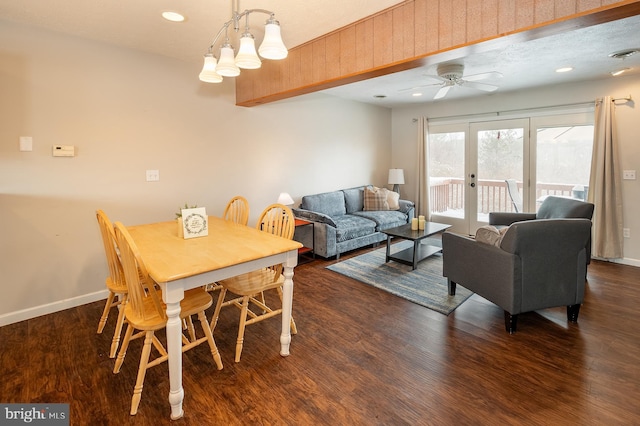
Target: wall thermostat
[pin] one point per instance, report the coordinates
(64, 151)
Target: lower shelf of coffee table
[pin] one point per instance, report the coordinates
(406, 256)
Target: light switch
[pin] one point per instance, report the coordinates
(153, 175)
(26, 143)
(629, 174)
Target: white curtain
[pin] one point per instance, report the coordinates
(422, 184)
(605, 184)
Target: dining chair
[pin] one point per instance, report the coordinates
(514, 193)
(237, 210)
(276, 219)
(115, 282)
(145, 312)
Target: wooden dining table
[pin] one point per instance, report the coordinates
(179, 264)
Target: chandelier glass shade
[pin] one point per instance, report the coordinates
(208, 73)
(247, 57)
(272, 46)
(228, 65)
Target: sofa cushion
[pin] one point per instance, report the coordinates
(329, 203)
(354, 199)
(375, 199)
(351, 226)
(384, 219)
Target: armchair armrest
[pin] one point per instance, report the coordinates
(482, 268)
(507, 218)
(313, 216)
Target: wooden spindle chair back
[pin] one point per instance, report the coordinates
(237, 210)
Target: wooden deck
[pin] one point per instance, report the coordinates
(447, 194)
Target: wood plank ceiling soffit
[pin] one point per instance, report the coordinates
(418, 33)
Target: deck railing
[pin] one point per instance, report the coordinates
(448, 194)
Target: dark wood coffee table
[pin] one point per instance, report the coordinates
(412, 255)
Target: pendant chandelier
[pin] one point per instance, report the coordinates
(229, 64)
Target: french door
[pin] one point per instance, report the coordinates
(470, 164)
(468, 168)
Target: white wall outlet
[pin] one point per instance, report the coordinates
(626, 232)
(153, 175)
(629, 174)
(26, 143)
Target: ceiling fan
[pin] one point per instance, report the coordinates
(451, 75)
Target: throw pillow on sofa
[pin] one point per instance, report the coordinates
(375, 199)
(393, 199)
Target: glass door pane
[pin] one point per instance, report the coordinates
(446, 155)
(500, 148)
(563, 161)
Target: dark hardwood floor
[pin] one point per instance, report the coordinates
(361, 357)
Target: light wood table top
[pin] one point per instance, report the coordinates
(169, 257)
(179, 264)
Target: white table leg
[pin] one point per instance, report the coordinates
(172, 297)
(287, 301)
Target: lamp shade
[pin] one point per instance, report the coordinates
(396, 176)
(285, 199)
(272, 46)
(208, 73)
(227, 65)
(247, 57)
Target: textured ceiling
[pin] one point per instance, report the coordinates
(137, 24)
(523, 66)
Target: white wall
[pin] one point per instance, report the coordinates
(126, 112)
(405, 133)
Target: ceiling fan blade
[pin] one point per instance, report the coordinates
(419, 87)
(441, 80)
(442, 92)
(480, 86)
(483, 76)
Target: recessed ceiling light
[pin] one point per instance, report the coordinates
(173, 16)
(620, 71)
(623, 54)
(415, 95)
(564, 69)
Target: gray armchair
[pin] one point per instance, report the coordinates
(538, 264)
(551, 208)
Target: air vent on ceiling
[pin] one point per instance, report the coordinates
(623, 54)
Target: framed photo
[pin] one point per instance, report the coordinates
(195, 222)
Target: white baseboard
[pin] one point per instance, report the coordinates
(623, 261)
(627, 261)
(49, 308)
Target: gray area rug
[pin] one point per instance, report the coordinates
(425, 286)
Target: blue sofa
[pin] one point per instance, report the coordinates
(340, 223)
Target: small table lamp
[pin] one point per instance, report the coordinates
(396, 178)
(285, 199)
